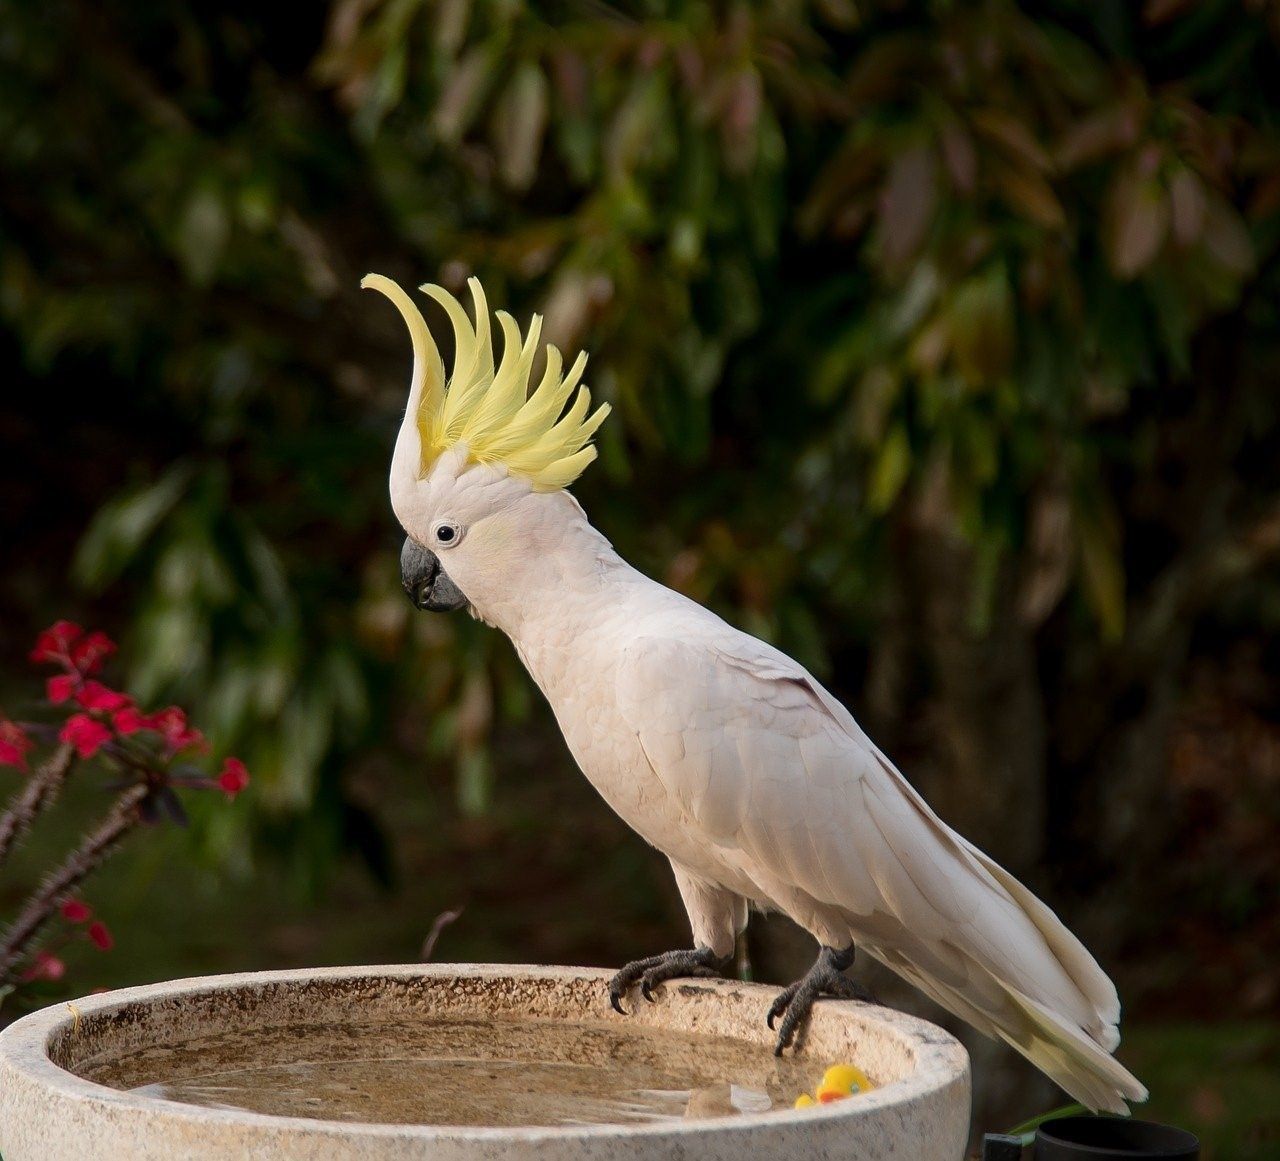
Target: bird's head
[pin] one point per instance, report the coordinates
(479, 458)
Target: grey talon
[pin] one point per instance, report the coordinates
(657, 969)
(795, 1002)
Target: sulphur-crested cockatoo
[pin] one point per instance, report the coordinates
(718, 749)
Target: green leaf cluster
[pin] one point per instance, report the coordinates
(848, 271)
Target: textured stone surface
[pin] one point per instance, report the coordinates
(48, 1112)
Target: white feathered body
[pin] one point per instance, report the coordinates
(762, 789)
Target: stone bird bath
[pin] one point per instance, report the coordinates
(457, 1062)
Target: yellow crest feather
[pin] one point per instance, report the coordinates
(489, 410)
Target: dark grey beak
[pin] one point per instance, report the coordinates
(425, 582)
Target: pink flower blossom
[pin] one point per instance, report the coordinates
(234, 777)
(100, 936)
(14, 745)
(76, 911)
(130, 720)
(171, 724)
(96, 696)
(66, 644)
(84, 733)
(88, 654)
(54, 644)
(58, 689)
(45, 966)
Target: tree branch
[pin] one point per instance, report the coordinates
(39, 793)
(82, 862)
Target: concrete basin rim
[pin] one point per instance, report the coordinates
(24, 1049)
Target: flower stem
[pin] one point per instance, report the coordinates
(43, 902)
(39, 793)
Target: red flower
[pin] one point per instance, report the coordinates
(130, 720)
(45, 966)
(55, 642)
(234, 777)
(85, 734)
(100, 936)
(14, 745)
(58, 689)
(66, 644)
(89, 654)
(96, 696)
(171, 724)
(76, 911)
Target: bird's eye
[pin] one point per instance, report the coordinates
(447, 532)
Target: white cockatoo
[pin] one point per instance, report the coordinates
(715, 747)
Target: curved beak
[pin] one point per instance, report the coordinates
(426, 584)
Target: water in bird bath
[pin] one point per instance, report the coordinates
(465, 1072)
(463, 1062)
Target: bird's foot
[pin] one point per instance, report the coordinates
(825, 978)
(670, 965)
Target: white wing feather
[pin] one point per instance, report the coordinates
(786, 791)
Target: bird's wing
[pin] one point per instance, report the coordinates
(744, 741)
(776, 776)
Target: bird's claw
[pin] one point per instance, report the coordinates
(795, 1002)
(657, 969)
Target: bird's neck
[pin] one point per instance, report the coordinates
(561, 594)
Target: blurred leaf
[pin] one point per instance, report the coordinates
(907, 204)
(1012, 135)
(877, 392)
(977, 448)
(960, 157)
(268, 578)
(1105, 133)
(175, 644)
(1031, 196)
(189, 570)
(638, 127)
(1176, 322)
(1226, 238)
(890, 470)
(1048, 567)
(985, 585)
(1188, 201)
(463, 94)
(306, 726)
(982, 326)
(520, 120)
(740, 120)
(1161, 11)
(1136, 223)
(1103, 570)
(452, 17)
(840, 184)
(204, 229)
(121, 525)
(348, 694)
(475, 779)
(383, 90)
(877, 71)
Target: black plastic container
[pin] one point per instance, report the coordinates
(1095, 1138)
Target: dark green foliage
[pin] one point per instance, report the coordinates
(860, 280)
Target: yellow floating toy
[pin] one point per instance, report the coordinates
(838, 1082)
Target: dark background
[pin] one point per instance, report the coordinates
(942, 341)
